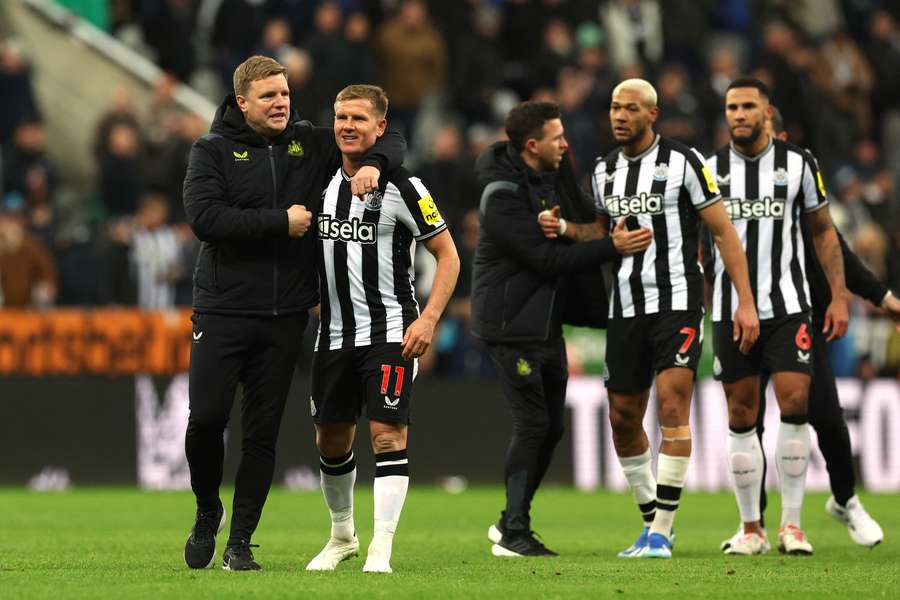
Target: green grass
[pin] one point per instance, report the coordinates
(123, 543)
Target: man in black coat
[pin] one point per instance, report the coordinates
(248, 184)
(525, 286)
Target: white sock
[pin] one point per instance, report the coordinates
(338, 476)
(672, 471)
(639, 475)
(745, 460)
(391, 484)
(792, 460)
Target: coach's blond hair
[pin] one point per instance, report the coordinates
(254, 69)
(642, 87)
(374, 94)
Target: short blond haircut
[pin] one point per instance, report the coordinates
(642, 87)
(253, 69)
(374, 94)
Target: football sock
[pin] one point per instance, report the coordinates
(792, 460)
(745, 460)
(338, 476)
(672, 471)
(391, 483)
(639, 474)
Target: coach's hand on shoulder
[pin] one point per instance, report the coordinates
(746, 326)
(299, 220)
(837, 318)
(365, 181)
(418, 337)
(630, 242)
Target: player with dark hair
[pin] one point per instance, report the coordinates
(825, 413)
(771, 188)
(525, 286)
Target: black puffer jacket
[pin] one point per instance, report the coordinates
(237, 190)
(523, 284)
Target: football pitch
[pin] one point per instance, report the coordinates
(124, 543)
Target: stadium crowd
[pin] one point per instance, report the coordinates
(452, 70)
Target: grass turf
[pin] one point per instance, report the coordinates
(96, 543)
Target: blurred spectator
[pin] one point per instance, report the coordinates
(236, 32)
(450, 175)
(478, 67)
(780, 46)
(883, 51)
(635, 31)
(412, 59)
(852, 79)
(27, 274)
(679, 109)
(864, 182)
(308, 99)
(330, 53)
(155, 254)
(360, 66)
(558, 51)
(121, 110)
(30, 177)
(15, 89)
(121, 174)
(276, 39)
(169, 30)
(165, 173)
(147, 259)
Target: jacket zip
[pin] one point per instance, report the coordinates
(275, 249)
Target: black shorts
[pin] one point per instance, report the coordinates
(376, 376)
(639, 347)
(784, 344)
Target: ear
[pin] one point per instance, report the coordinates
(654, 113)
(531, 145)
(382, 125)
(242, 103)
(770, 112)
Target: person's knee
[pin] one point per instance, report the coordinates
(388, 439)
(331, 447)
(334, 440)
(794, 400)
(624, 421)
(207, 421)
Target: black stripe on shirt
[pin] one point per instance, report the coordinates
(377, 312)
(781, 191)
(634, 280)
(661, 235)
(751, 192)
(341, 274)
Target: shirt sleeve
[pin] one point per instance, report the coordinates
(421, 215)
(699, 182)
(814, 196)
(598, 185)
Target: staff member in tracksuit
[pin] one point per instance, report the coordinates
(248, 185)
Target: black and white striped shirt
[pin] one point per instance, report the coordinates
(765, 197)
(365, 259)
(661, 189)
